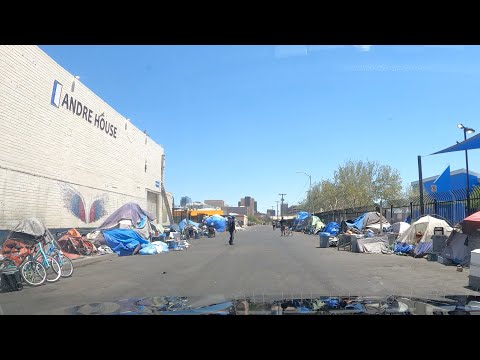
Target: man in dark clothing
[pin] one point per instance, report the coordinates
(273, 224)
(231, 228)
(282, 227)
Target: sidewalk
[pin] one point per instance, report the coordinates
(87, 260)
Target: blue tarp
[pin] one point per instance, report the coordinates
(142, 222)
(123, 241)
(332, 228)
(303, 215)
(403, 248)
(183, 223)
(357, 222)
(423, 248)
(217, 221)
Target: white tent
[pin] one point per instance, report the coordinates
(422, 230)
(400, 227)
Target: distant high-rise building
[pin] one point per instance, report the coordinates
(270, 212)
(215, 203)
(184, 200)
(250, 203)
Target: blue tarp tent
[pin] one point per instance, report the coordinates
(217, 221)
(332, 228)
(300, 221)
(123, 241)
(183, 223)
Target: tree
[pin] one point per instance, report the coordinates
(355, 183)
(411, 192)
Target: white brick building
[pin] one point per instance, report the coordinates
(66, 156)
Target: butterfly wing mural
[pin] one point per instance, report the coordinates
(74, 202)
(97, 209)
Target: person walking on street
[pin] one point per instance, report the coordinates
(282, 227)
(273, 224)
(231, 228)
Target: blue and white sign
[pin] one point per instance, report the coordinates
(157, 183)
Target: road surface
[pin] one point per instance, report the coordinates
(260, 263)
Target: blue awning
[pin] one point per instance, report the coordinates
(469, 144)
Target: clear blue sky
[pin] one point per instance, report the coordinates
(241, 120)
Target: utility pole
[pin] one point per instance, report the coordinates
(420, 185)
(281, 208)
(277, 210)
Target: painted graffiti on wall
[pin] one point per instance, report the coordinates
(76, 205)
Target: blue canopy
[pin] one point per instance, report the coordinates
(469, 144)
(123, 241)
(217, 221)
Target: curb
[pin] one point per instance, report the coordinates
(87, 260)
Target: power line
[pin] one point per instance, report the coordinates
(300, 193)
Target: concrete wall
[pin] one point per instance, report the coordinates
(52, 159)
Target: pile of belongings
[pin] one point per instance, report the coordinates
(189, 228)
(125, 230)
(23, 235)
(74, 245)
(368, 220)
(373, 245)
(155, 247)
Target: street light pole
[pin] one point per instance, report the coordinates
(309, 191)
(277, 210)
(465, 131)
(281, 208)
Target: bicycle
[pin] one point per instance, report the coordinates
(65, 263)
(51, 265)
(32, 271)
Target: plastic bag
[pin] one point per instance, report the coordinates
(161, 246)
(148, 249)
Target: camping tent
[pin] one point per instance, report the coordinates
(471, 223)
(300, 222)
(317, 224)
(399, 227)
(130, 211)
(217, 221)
(456, 250)
(368, 220)
(422, 230)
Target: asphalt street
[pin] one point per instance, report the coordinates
(261, 262)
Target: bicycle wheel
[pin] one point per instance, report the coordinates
(54, 271)
(65, 263)
(33, 273)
